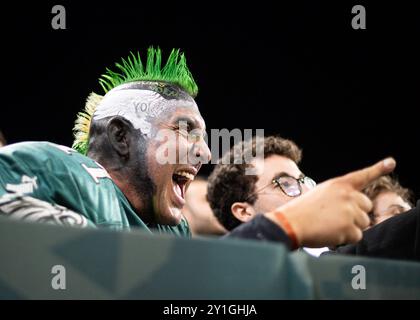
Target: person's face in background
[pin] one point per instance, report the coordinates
(386, 205)
(198, 213)
(269, 195)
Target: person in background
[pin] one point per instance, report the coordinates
(197, 210)
(389, 198)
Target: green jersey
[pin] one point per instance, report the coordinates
(61, 176)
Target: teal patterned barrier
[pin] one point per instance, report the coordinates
(48, 262)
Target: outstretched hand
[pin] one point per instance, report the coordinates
(335, 211)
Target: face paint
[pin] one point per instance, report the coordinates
(152, 107)
(141, 105)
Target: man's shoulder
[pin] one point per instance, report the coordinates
(48, 158)
(60, 175)
(35, 153)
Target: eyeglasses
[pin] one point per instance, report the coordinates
(289, 185)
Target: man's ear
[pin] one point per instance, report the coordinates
(243, 211)
(119, 132)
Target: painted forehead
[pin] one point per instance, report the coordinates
(167, 90)
(142, 102)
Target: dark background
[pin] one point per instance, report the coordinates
(347, 97)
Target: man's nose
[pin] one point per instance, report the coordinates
(202, 151)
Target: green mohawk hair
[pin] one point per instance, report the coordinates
(132, 69)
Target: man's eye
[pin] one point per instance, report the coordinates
(286, 184)
(194, 136)
(184, 129)
(398, 210)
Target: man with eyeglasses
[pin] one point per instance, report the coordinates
(236, 197)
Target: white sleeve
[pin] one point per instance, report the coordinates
(20, 207)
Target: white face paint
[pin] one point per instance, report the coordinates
(138, 106)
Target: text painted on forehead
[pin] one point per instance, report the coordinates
(139, 107)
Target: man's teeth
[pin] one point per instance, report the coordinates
(186, 175)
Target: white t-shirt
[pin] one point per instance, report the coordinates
(316, 252)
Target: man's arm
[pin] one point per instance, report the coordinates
(334, 212)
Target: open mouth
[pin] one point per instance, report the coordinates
(181, 179)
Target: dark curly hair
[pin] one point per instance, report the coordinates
(228, 183)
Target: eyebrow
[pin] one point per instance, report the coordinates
(194, 123)
(186, 119)
(285, 174)
(397, 206)
(392, 206)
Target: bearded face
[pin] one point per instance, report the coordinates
(170, 146)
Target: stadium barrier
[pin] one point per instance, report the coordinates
(49, 262)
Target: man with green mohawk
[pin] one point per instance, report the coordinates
(121, 183)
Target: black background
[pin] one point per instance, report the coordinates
(347, 97)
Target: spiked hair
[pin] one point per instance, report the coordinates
(132, 69)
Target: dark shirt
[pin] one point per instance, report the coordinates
(260, 228)
(395, 238)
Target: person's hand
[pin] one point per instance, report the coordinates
(335, 211)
